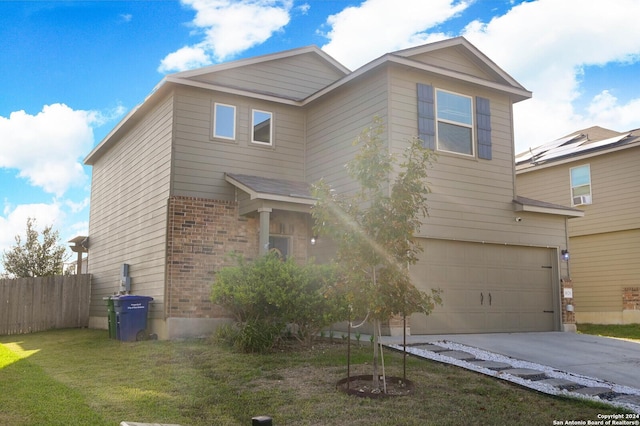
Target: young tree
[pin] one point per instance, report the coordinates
(35, 257)
(374, 229)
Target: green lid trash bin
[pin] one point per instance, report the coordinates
(111, 316)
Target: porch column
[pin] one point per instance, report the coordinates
(265, 214)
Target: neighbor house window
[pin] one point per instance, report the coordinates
(580, 185)
(454, 123)
(224, 121)
(262, 128)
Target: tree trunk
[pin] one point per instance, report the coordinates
(376, 354)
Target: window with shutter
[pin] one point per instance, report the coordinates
(483, 123)
(445, 122)
(426, 116)
(454, 123)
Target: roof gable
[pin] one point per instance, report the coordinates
(293, 74)
(457, 54)
(454, 58)
(592, 141)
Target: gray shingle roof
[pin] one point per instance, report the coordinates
(282, 187)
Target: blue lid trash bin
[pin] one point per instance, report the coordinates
(131, 317)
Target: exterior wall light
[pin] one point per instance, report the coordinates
(564, 255)
(314, 239)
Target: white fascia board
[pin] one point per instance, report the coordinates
(547, 210)
(528, 167)
(254, 195)
(262, 58)
(521, 94)
(231, 90)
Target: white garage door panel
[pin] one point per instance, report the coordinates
(486, 288)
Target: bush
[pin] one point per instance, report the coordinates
(271, 295)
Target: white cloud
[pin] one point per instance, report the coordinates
(228, 27)
(14, 221)
(45, 148)
(375, 27)
(545, 45)
(185, 58)
(76, 207)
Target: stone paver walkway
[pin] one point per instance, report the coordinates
(530, 377)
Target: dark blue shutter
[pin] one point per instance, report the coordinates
(426, 116)
(483, 125)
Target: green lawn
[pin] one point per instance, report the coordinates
(80, 377)
(626, 331)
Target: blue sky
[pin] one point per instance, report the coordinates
(70, 70)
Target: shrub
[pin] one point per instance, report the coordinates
(270, 295)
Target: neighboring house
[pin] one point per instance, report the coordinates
(595, 170)
(219, 159)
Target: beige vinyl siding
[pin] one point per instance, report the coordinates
(130, 187)
(614, 188)
(602, 265)
(294, 77)
(605, 243)
(200, 161)
(471, 198)
(336, 120)
(452, 59)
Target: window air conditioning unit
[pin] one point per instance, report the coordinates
(581, 200)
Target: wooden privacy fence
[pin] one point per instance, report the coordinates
(28, 305)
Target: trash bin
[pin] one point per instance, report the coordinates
(111, 315)
(131, 317)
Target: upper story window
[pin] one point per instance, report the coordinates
(455, 123)
(224, 121)
(447, 122)
(580, 185)
(261, 122)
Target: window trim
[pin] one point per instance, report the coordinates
(215, 121)
(471, 127)
(253, 116)
(588, 199)
(284, 238)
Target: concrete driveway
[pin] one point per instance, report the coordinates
(613, 360)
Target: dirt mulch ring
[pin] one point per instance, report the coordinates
(363, 386)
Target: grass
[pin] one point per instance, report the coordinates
(80, 377)
(626, 331)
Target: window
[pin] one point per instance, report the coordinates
(261, 123)
(454, 123)
(580, 185)
(224, 121)
(279, 245)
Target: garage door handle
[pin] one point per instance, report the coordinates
(481, 298)
(489, 299)
(548, 312)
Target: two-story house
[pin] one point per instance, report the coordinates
(219, 159)
(595, 170)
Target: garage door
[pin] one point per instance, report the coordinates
(487, 288)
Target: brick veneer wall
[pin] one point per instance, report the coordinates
(631, 298)
(201, 232)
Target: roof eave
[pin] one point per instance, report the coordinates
(255, 195)
(525, 167)
(523, 207)
(232, 90)
(516, 92)
(264, 58)
(107, 141)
